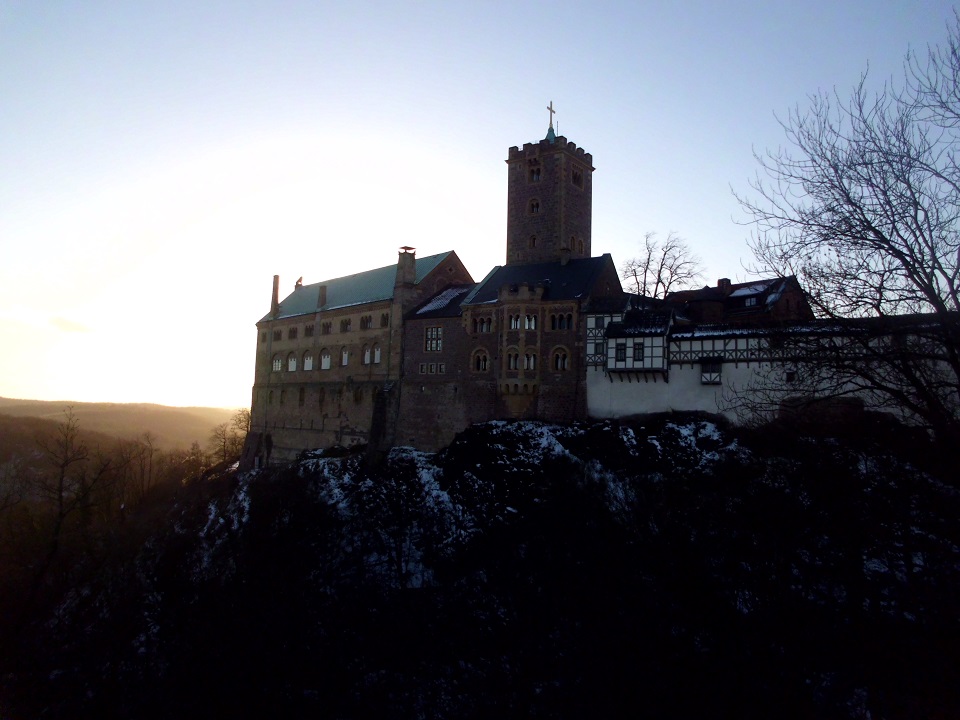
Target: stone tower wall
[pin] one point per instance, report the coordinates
(549, 198)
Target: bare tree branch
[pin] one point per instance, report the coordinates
(662, 266)
(863, 206)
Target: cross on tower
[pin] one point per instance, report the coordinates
(552, 111)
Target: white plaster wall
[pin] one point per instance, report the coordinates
(684, 392)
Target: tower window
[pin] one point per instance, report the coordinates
(533, 242)
(534, 174)
(534, 207)
(576, 177)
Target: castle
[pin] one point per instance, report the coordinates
(412, 353)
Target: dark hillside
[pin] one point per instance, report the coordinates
(19, 435)
(664, 568)
(173, 427)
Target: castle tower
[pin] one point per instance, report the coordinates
(549, 200)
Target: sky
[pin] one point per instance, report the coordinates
(161, 161)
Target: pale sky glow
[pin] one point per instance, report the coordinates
(161, 161)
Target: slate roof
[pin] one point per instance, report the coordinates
(561, 282)
(366, 287)
(766, 291)
(640, 323)
(445, 304)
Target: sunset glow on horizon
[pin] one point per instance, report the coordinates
(159, 163)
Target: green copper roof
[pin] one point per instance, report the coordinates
(365, 287)
(551, 136)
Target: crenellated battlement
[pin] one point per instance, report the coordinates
(544, 146)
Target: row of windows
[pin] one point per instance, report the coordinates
(433, 368)
(576, 175)
(326, 328)
(525, 322)
(335, 396)
(621, 351)
(370, 355)
(482, 325)
(528, 361)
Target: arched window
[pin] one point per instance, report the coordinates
(533, 242)
(560, 361)
(344, 356)
(514, 322)
(513, 360)
(487, 325)
(580, 247)
(324, 359)
(366, 355)
(376, 354)
(277, 363)
(308, 360)
(534, 206)
(530, 361)
(384, 319)
(569, 321)
(291, 362)
(480, 362)
(530, 322)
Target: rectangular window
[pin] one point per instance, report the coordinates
(423, 368)
(278, 334)
(710, 371)
(441, 368)
(750, 302)
(292, 334)
(345, 325)
(325, 328)
(433, 368)
(433, 342)
(638, 352)
(308, 331)
(621, 352)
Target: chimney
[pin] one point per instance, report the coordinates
(406, 267)
(723, 284)
(322, 296)
(275, 303)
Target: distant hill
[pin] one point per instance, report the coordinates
(173, 427)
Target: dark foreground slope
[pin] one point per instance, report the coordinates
(660, 569)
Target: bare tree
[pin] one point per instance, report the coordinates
(69, 487)
(662, 266)
(863, 206)
(219, 442)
